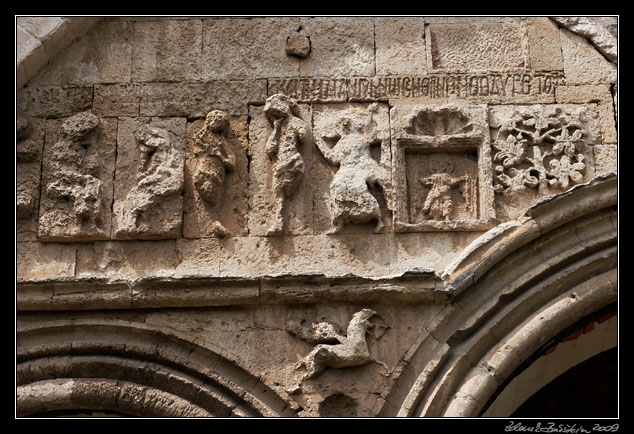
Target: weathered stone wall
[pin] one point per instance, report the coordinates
(231, 181)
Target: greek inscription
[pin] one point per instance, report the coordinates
(459, 85)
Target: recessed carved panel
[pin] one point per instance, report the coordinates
(79, 158)
(539, 150)
(150, 175)
(441, 170)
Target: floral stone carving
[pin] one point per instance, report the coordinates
(149, 206)
(540, 147)
(441, 171)
(77, 180)
(345, 139)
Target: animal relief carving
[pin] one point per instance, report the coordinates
(351, 202)
(334, 350)
(75, 196)
(148, 209)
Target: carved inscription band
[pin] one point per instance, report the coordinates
(508, 84)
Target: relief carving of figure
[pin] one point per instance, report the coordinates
(160, 175)
(438, 203)
(350, 196)
(67, 158)
(214, 159)
(289, 132)
(337, 351)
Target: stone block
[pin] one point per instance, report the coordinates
(30, 53)
(606, 159)
(287, 208)
(578, 54)
(102, 55)
(40, 27)
(474, 46)
(53, 101)
(198, 258)
(231, 43)
(149, 182)
(544, 45)
(129, 260)
(340, 46)
(425, 252)
(591, 93)
(27, 200)
(77, 179)
(400, 45)
(351, 177)
(216, 177)
(30, 142)
(38, 261)
(329, 255)
(195, 100)
(167, 50)
(116, 100)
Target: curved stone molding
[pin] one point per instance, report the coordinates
(40, 39)
(156, 364)
(599, 36)
(564, 270)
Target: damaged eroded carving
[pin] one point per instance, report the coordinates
(213, 159)
(540, 148)
(442, 168)
(282, 148)
(75, 202)
(152, 207)
(334, 350)
(345, 139)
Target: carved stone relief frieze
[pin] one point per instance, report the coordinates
(281, 155)
(354, 143)
(79, 158)
(540, 150)
(30, 141)
(150, 176)
(216, 175)
(333, 349)
(441, 170)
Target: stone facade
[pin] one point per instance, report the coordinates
(308, 216)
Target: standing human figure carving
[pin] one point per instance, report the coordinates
(214, 158)
(282, 148)
(160, 176)
(350, 196)
(438, 203)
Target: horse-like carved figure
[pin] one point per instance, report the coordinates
(352, 349)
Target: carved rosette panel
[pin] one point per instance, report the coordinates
(441, 168)
(540, 150)
(541, 147)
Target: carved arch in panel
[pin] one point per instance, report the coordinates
(514, 290)
(127, 369)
